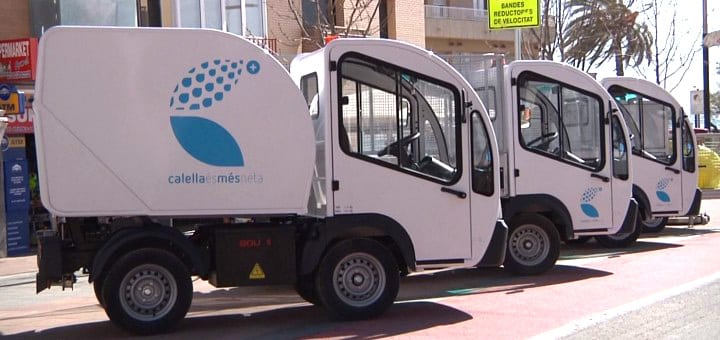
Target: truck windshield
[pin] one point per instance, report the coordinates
(652, 123)
(559, 121)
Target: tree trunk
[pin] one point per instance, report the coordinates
(617, 51)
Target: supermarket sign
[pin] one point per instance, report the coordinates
(18, 60)
(513, 13)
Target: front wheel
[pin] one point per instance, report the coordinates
(653, 224)
(147, 291)
(357, 279)
(533, 245)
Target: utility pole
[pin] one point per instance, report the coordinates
(706, 70)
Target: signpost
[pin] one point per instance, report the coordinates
(513, 13)
(504, 14)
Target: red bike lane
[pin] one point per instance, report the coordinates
(517, 308)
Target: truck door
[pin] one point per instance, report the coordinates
(653, 123)
(398, 147)
(561, 143)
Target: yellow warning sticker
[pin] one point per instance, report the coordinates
(257, 273)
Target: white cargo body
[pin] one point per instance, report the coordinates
(123, 129)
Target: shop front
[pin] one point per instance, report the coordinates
(22, 213)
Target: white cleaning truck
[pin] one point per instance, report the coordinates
(663, 149)
(380, 163)
(565, 167)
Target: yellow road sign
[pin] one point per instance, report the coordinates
(513, 13)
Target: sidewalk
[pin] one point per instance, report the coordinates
(18, 265)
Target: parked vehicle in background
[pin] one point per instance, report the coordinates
(663, 149)
(566, 172)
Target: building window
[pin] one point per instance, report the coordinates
(242, 17)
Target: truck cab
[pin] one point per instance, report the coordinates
(565, 167)
(400, 134)
(663, 151)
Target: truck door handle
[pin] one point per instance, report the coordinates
(675, 171)
(603, 178)
(457, 193)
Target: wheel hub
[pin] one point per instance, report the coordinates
(359, 279)
(529, 245)
(148, 292)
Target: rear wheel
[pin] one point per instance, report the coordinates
(621, 240)
(97, 288)
(533, 245)
(357, 279)
(653, 224)
(147, 291)
(305, 287)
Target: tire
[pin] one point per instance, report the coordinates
(97, 288)
(533, 245)
(653, 224)
(621, 240)
(357, 279)
(305, 287)
(147, 291)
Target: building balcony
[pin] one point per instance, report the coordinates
(459, 23)
(265, 43)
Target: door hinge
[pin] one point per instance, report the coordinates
(517, 172)
(333, 65)
(335, 185)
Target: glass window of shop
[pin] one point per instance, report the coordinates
(242, 17)
(48, 13)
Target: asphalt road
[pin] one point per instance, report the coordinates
(665, 286)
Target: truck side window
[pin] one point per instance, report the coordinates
(309, 88)
(688, 155)
(559, 121)
(620, 154)
(482, 159)
(399, 119)
(652, 123)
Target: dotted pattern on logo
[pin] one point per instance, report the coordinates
(590, 194)
(207, 84)
(664, 183)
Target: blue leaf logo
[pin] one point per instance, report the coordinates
(663, 196)
(207, 141)
(198, 91)
(589, 210)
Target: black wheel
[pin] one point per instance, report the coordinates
(305, 287)
(147, 291)
(621, 240)
(357, 279)
(579, 240)
(97, 288)
(653, 224)
(533, 245)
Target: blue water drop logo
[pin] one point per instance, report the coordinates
(199, 90)
(661, 193)
(588, 196)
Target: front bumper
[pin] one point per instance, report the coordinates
(695, 206)
(495, 253)
(630, 221)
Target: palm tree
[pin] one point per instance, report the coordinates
(603, 29)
